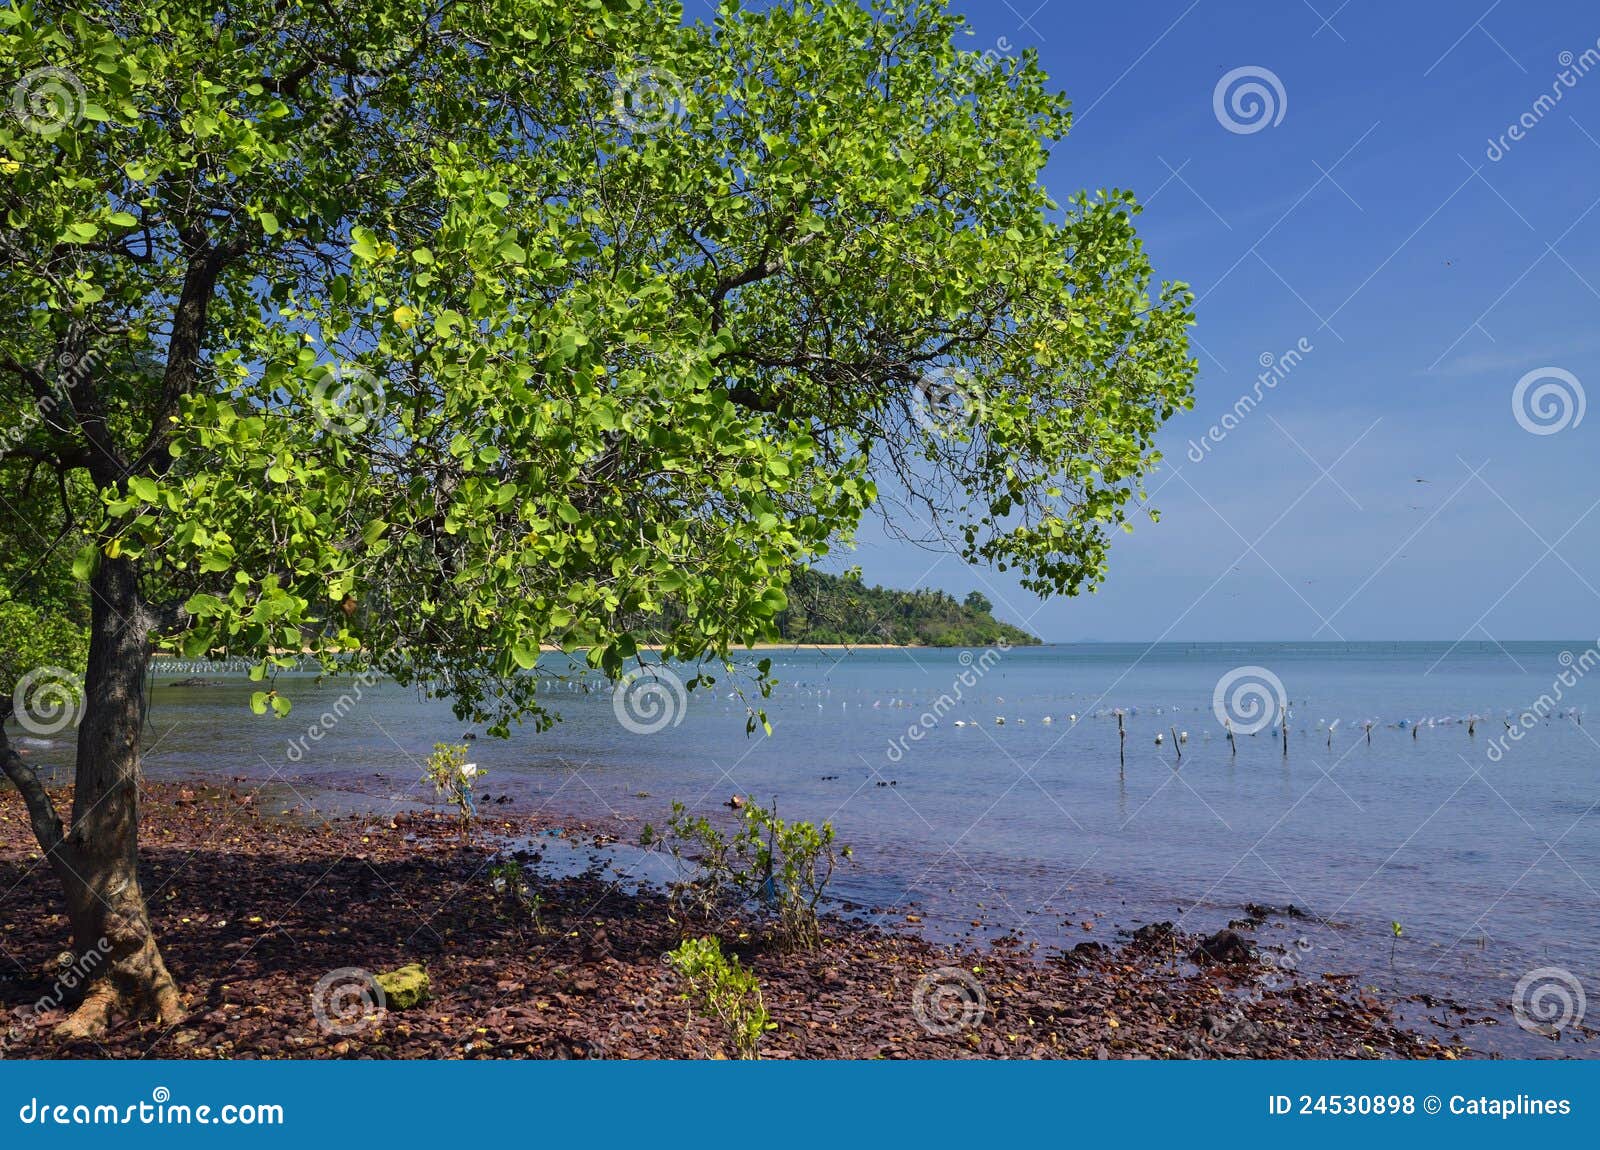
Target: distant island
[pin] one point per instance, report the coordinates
(842, 609)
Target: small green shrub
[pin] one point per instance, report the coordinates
(453, 778)
(782, 865)
(517, 896)
(727, 993)
(794, 862)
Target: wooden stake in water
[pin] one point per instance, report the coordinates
(1177, 744)
(1233, 747)
(1122, 741)
(1283, 725)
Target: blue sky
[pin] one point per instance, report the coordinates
(1426, 278)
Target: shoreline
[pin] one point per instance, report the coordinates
(159, 657)
(253, 912)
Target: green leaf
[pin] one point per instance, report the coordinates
(86, 562)
(363, 244)
(204, 605)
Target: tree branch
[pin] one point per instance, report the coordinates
(41, 811)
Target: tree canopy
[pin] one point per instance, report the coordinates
(522, 318)
(422, 333)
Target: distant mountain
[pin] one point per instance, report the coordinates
(842, 609)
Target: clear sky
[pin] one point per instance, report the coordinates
(1383, 488)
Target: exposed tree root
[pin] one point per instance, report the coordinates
(92, 1018)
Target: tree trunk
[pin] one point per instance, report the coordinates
(98, 860)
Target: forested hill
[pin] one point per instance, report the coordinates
(842, 609)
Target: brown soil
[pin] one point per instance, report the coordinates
(253, 913)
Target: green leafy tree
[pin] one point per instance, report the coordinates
(476, 326)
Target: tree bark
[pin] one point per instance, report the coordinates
(98, 860)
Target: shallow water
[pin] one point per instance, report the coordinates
(1491, 867)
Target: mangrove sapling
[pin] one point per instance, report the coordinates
(725, 991)
(704, 858)
(785, 866)
(452, 778)
(794, 863)
(518, 899)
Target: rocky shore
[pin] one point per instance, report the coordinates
(277, 930)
